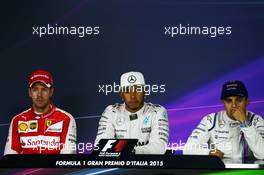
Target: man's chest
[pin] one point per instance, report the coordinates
(133, 126)
(43, 126)
(225, 132)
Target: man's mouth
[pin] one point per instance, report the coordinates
(232, 111)
(39, 100)
(133, 102)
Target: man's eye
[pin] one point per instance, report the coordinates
(239, 99)
(132, 89)
(228, 100)
(139, 89)
(45, 89)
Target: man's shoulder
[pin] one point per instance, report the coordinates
(211, 119)
(254, 115)
(63, 114)
(115, 108)
(213, 115)
(154, 107)
(255, 119)
(22, 116)
(155, 110)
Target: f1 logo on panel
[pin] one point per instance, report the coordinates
(113, 148)
(108, 145)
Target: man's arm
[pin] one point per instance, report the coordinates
(197, 143)
(106, 128)
(70, 138)
(13, 143)
(159, 135)
(254, 136)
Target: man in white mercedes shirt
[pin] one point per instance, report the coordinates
(234, 133)
(135, 119)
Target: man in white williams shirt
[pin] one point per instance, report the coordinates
(135, 119)
(234, 133)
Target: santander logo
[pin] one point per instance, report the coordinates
(40, 141)
(53, 142)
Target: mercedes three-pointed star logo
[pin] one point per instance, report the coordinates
(131, 79)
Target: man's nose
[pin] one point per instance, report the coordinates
(39, 93)
(132, 94)
(234, 103)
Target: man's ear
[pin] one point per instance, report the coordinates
(29, 92)
(51, 91)
(121, 95)
(248, 101)
(145, 94)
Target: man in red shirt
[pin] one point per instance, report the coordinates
(43, 128)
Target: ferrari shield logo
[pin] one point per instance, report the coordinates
(48, 123)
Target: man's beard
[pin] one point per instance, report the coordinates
(43, 106)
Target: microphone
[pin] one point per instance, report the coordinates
(133, 117)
